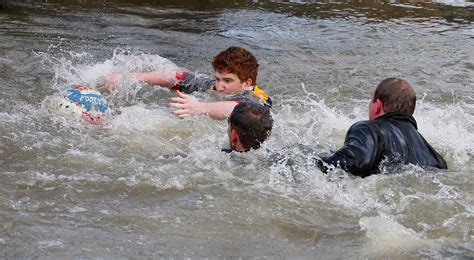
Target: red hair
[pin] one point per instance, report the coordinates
(239, 61)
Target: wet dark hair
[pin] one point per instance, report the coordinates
(239, 61)
(252, 122)
(396, 96)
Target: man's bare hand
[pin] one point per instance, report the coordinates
(187, 105)
(111, 81)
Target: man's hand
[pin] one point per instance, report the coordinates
(111, 81)
(187, 105)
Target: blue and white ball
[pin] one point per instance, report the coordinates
(80, 102)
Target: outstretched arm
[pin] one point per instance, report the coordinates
(187, 106)
(360, 154)
(165, 79)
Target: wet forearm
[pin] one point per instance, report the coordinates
(219, 110)
(162, 78)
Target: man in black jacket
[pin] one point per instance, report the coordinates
(390, 135)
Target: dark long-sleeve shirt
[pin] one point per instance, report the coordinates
(392, 138)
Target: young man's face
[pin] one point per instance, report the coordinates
(228, 83)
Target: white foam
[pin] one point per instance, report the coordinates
(77, 209)
(83, 68)
(46, 244)
(141, 118)
(390, 238)
(449, 130)
(454, 2)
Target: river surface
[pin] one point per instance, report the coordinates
(149, 185)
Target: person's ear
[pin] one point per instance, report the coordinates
(234, 137)
(248, 83)
(378, 107)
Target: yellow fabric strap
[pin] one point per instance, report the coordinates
(257, 92)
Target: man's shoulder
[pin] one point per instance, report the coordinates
(362, 125)
(364, 129)
(189, 82)
(378, 123)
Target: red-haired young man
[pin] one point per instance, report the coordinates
(235, 76)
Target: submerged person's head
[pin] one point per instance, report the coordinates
(392, 95)
(249, 125)
(235, 69)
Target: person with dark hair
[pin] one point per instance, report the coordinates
(236, 72)
(390, 135)
(249, 125)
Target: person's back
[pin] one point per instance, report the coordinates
(390, 137)
(405, 144)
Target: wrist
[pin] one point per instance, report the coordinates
(204, 108)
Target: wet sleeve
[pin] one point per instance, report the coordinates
(360, 154)
(189, 82)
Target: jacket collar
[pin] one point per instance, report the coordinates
(399, 116)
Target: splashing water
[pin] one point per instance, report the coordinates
(149, 184)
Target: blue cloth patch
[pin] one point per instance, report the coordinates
(90, 101)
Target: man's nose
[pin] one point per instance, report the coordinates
(219, 87)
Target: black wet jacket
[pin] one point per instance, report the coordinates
(392, 138)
